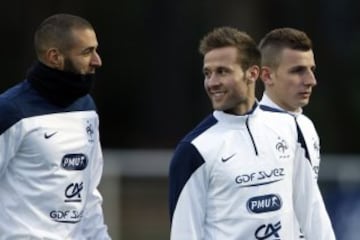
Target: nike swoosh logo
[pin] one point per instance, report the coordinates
(46, 136)
(228, 158)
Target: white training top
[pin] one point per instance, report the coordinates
(50, 166)
(308, 130)
(245, 177)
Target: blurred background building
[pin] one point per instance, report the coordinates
(150, 93)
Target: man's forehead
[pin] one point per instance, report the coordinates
(220, 57)
(296, 57)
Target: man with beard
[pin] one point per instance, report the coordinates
(50, 155)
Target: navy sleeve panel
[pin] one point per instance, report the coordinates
(200, 128)
(8, 115)
(302, 142)
(22, 101)
(184, 163)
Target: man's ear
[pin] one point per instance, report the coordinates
(54, 58)
(252, 73)
(266, 75)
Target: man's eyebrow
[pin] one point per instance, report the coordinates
(89, 49)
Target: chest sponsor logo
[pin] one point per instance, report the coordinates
(72, 192)
(74, 161)
(265, 203)
(268, 232)
(66, 216)
(262, 177)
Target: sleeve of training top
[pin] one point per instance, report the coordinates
(312, 141)
(10, 134)
(188, 185)
(308, 203)
(93, 224)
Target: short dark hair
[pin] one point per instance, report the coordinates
(248, 53)
(278, 39)
(56, 31)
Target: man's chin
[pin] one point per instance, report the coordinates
(303, 102)
(219, 107)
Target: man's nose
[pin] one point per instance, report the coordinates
(213, 80)
(311, 79)
(96, 60)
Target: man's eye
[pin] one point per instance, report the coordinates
(89, 51)
(298, 70)
(222, 71)
(86, 52)
(206, 74)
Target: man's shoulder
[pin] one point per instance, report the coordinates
(10, 99)
(305, 119)
(279, 122)
(307, 126)
(275, 115)
(200, 128)
(9, 113)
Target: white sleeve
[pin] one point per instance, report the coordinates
(187, 193)
(93, 224)
(6, 151)
(308, 203)
(312, 141)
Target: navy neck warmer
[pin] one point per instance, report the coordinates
(59, 87)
